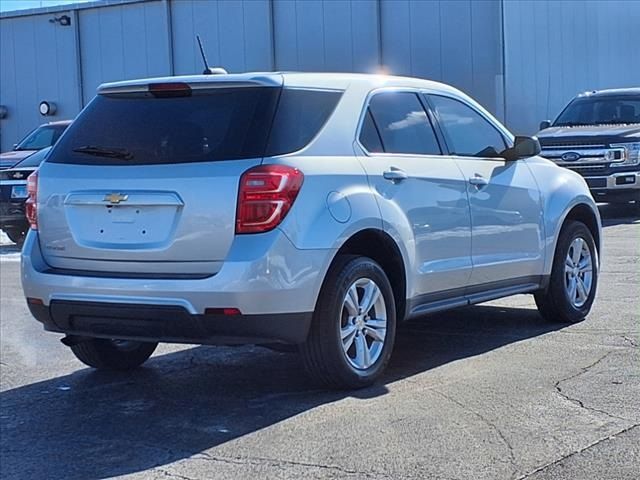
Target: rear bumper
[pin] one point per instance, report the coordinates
(159, 323)
(273, 284)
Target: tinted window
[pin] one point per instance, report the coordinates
(300, 116)
(467, 132)
(369, 137)
(41, 137)
(601, 111)
(403, 124)
(225, 123)
(209, 125)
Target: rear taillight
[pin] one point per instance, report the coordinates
(266, 194)
(31, 205)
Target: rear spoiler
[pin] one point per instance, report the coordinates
(195, 82)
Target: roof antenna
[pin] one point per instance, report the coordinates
(207, 69)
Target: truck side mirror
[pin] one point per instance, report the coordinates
(545, 124)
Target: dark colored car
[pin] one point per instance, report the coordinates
(43, 136)
(13, 195)
(598, 135)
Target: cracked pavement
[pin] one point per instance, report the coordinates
(485, 392)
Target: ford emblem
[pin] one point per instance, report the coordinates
(570, 157)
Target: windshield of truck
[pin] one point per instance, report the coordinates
(605, 110)
(41, 137)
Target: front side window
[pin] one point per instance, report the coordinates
(403, 124)
(467, 132)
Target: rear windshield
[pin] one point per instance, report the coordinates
(606, 110)
(212, 125)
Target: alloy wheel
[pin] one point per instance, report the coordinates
(363, 323)
(578, 272)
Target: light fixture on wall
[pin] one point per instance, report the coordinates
(4, 111)
(63, 20)
(47, 108)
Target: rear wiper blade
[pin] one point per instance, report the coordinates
(121, 153)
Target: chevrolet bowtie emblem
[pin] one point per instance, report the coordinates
(115, 198)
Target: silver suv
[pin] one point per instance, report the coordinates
(311, 209)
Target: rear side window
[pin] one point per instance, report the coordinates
(403, 124)
(210, 125)
(369, 137)
(300, 116)
(467, 133)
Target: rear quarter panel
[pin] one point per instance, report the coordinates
(334, 203)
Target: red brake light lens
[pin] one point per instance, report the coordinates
(266, 195)
(222, 311)
(171, 89)
(31, 205)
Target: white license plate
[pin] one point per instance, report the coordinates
(19, 191)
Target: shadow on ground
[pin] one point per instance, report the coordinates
(94, 425)
(619, 213)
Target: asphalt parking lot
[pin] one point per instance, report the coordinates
(486, 392)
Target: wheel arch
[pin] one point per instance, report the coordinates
(381, 247)
(584, 213)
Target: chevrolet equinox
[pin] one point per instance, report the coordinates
(318, 210)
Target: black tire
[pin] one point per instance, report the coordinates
(323, 353)
(105, 354)
(554, 303)
(16, 235)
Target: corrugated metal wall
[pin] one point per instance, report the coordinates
(122, 42)
(454, 42)
(326, 36)
(236, 34)
(556, 48)
(38, 61)
(553, 49)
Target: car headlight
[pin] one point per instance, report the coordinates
(631, 155)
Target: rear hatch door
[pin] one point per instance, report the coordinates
(146, 182)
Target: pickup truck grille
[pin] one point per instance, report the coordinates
(571, 143)
(590, 170)
(582, 156)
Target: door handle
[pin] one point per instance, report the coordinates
(478, 180)
(395, 174)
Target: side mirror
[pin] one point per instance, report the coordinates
(523, 147)
(545, 124)
(15, 145)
